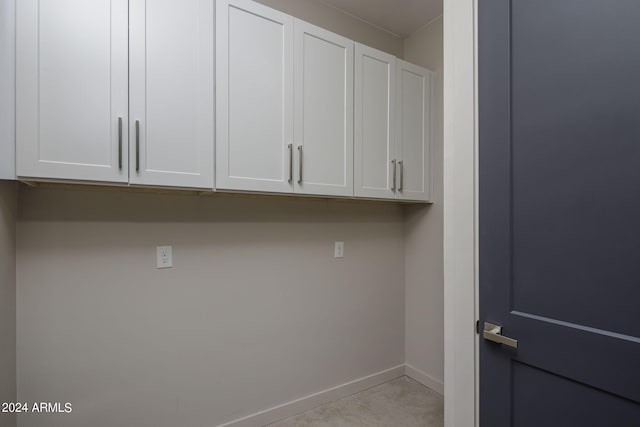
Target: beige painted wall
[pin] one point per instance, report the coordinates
(255, 313)
(424, 232)
(8, 206)
(320, 14)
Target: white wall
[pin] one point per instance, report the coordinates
(424, 236)
(7, 89)
(8, 206)
(255, 313)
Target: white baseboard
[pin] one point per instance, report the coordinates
(424, 379)
(311, 401)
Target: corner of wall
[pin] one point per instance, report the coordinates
(8, 379)
(424, 234)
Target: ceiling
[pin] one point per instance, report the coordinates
(400, 17)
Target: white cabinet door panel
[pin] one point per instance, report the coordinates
(72, 89)
(413, 127)
(172, 93)
(323, 111)
(7, 89)
(254, 75)
(374, 133)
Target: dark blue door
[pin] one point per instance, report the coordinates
(559, 182)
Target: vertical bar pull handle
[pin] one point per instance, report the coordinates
(401, 164)
(290, 163)
(137, 145)
(393, 180)
(300, 164)
(120, 143)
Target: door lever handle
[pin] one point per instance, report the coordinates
(493, 333)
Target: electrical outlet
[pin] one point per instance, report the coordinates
(338, 251)
(164, 256)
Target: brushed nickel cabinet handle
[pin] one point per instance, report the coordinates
(401, 164)
(290, 163)
(300, 164)
(120, 143)
(137, 145)
(393, 186)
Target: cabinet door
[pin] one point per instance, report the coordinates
(374, 133)
(7, 89)
(413, 127)
(171, 93)
(323, 111)
(71, 89)
(254, 100)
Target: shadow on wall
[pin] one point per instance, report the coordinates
(53, 203)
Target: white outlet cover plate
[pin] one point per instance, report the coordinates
(164, 255)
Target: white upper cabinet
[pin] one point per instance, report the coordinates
(267, 140)
(171, 93)
(254, 84)
(413, 132)
(71, 93)
(323, 64)
(88, 109)
(375, 115)
(392, 127)
(225, 94)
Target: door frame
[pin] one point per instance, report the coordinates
(460, 213)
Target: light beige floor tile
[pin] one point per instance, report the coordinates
(402, 402)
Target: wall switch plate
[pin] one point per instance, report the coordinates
(164, 256)
(339, 250)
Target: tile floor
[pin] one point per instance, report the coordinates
(402, 402)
